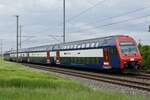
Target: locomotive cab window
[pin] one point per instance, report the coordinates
(128, 47)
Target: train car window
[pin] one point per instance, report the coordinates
(92, 60)
(82, 60)
(93, 44)
(97, 61)
(65, 47)
(87, 45)
(96, 45)
(79, 46)
(75, 46)
(71, 46)
(88, 60)
(100, 43)
(83, 45)
(79, 60)
(73, 59)
(85, 60)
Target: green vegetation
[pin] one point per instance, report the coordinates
(18, 82)
(145, 51)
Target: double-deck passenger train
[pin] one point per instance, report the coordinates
(117, 53)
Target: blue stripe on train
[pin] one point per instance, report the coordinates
(91, 66)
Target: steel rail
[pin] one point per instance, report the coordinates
(98, 77)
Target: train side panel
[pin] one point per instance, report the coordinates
(38, 57)
(82, 58)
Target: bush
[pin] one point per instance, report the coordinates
(145, 52)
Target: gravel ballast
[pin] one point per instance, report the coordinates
(97, 85)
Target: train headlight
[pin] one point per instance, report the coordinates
(125, 62)
(132, 59)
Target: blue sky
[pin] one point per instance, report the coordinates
(41, 18)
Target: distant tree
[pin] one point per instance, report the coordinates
(145, 51)
(139, 45)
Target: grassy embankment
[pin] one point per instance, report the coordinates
(18, 82)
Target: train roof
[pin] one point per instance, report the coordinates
(88, 43)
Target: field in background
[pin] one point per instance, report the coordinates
(18, 82)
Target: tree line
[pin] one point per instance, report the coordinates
(145, 52)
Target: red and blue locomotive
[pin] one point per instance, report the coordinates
(112, 53)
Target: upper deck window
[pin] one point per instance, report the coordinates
(71, 46)
(83, 45)
(79, 46)
(68, 47)
(128, 47)
(96, 45)
(93, 44)
(65, 47)
(75, 46)
(87, 45)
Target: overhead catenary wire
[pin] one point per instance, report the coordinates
(108, 18)
(122, 14)
(54, 37)
(113, 23)
(105, 30)
(84, 11)
(28, 40)
(75, 16)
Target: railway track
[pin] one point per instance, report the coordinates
(142, 76)
(129, 81)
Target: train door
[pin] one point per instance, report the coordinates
(57, 57)
(48, 57)
(106, 59)
(114, 58)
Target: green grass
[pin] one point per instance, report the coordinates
(18, 82)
